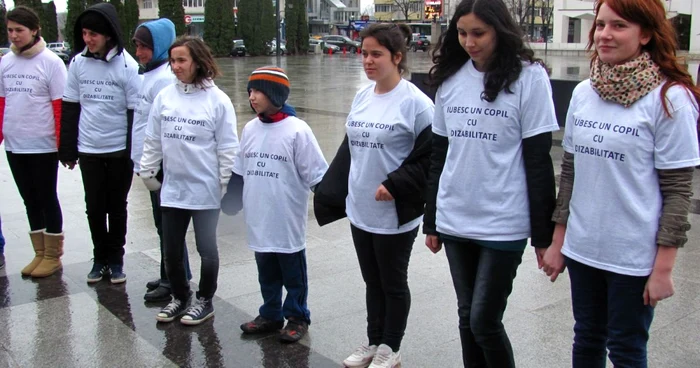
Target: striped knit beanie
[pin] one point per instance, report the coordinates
(272, 82)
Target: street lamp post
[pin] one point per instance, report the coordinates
(351, 26)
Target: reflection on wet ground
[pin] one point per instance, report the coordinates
(61, 321)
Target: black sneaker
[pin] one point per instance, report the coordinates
(117, 274)
(294, 330)
(200, 311)
(261, 325)
(153, 284)
(159, 294)
(97, 272)
(171, 311)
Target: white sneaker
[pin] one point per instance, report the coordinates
(361, 357)
(386, 358)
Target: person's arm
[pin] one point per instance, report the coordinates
(70, 118)
(57, 86)
(152, 149)
(227, 145)
(541, 191)
(409, 180)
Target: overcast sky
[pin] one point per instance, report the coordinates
(61, 4)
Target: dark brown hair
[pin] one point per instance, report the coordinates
(25, 16)
(650, 15)
(506, 62)
(206, 67)
(394, 37)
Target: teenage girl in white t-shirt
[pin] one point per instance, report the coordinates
(631, 141)
(192, 131)
(32, 79)
(491, 183)
(380, 172)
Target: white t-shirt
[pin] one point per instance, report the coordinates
(616, 201)
(382, 130)
(105, 90)
(29, 85)
(153, 82)
(194, 130)
(279, 162)
(483, 189)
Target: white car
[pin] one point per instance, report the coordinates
(63, 47)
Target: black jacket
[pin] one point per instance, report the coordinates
(70, 111)
(406, 184)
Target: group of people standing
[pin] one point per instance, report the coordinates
(474, 167)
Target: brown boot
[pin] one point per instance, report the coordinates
(53, 246)
(37, 237)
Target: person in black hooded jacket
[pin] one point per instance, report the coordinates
(98, 111)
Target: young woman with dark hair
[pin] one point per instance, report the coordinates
(491, 183)
(631, 140)
(32, 79)
(378, 180)
(192, 131)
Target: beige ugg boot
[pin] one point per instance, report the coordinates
(53, 249)
(37, 237)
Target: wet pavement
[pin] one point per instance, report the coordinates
(61, 321)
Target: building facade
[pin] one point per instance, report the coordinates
(332, 16)
(572, 20)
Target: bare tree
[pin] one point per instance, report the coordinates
(404, 6)
(368, 10)
(520, 10)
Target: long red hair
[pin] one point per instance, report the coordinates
(650, 15)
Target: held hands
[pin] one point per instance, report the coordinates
(433, 243)
(659, 287)
(69, 164)
(150, 180)
(552, 261)
(383, 194)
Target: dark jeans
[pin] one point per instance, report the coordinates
(175, 224)
(610, 313)
(36, 176)
(277, 270)
(158, 220)
(2, 240)
(107, 181)
(483, 280)
(384, 265)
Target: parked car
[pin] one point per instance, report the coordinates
(63, 47)
(65, 57)
(325, 47)
(420, 42)
(272, 46)
(238, 48)
(342, 42)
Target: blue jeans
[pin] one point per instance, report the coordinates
(483, 280)
(610, 313)
(2, 240)
(277, 270)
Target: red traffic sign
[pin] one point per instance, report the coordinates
(188, 19)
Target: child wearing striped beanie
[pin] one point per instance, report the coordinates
(278, 164)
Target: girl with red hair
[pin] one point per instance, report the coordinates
(631, 141)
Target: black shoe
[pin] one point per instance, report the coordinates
(294, 330)
(159, 294)
(200, 311)
(117, 275)
(261, 325)
(97, 272)
(171, 311)
(153, 284)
